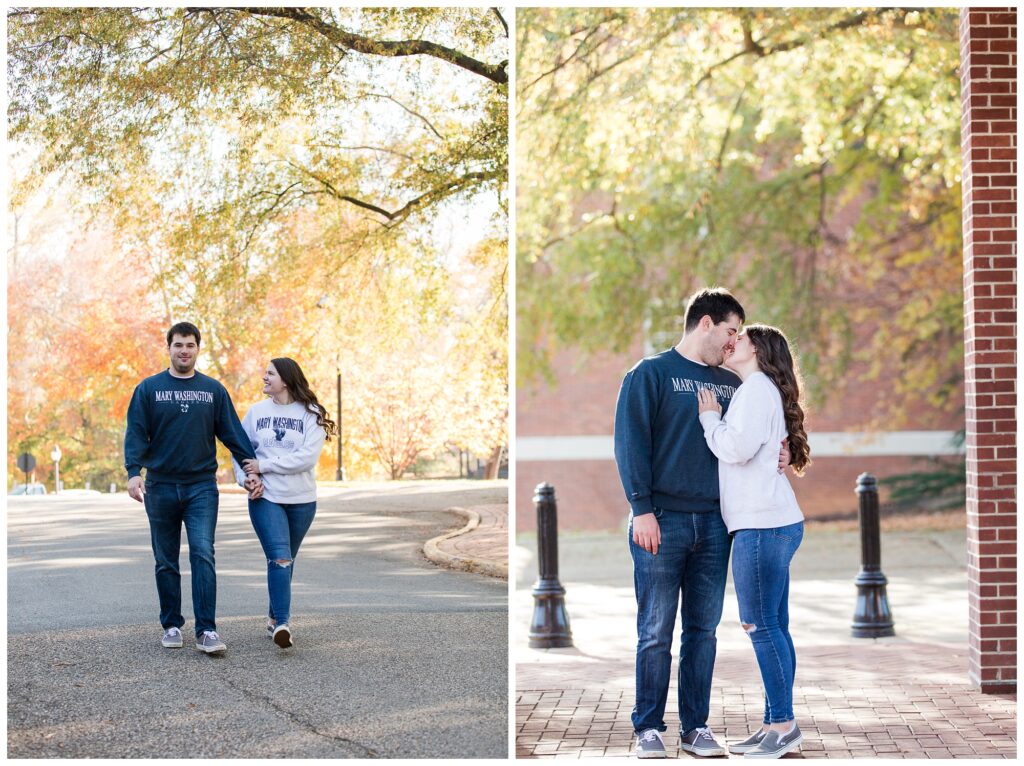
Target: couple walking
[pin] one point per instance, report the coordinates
(697, 448)
(173, 419)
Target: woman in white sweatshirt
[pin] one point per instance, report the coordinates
(287, 431)
(762, 515)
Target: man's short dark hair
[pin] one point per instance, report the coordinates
(184, 329)
(715, 302)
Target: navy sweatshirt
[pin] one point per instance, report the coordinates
(664, 461)
(172, 423)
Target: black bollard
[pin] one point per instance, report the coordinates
(550, 626)
(872, 618)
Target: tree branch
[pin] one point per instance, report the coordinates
(759, 49)
(349, 40)
(409, 207)
(501, 18)
(412, 112)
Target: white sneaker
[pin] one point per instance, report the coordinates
(172, 639)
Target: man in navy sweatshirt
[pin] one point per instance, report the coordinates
(678, 541)
(173, 419)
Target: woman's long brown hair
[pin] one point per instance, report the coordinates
(775, 361)
(298, 387)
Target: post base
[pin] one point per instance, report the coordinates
(549, 628)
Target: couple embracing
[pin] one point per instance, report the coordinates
(173, 420)
(698, 452)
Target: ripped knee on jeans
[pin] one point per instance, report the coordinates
(283, 563)
(748, 628)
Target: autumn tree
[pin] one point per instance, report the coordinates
(201, 131)
(806, 158)
(78, 329)
(276, 175)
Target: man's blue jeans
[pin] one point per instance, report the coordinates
(692, 563)
(760, 571)
(168, 506)
(280, 528)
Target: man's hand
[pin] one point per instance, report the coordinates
(254, 484)
(137, 488)
(784, 456)
(647, 533)
(251, 467)
(707, 402)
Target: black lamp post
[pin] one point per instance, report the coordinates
(340, 473)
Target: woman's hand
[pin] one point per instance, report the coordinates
(254, 485)
(251, 467)
(707, 402)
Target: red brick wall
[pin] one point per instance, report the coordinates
(988, 76)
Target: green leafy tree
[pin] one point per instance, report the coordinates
(806, 158)
(106, 87)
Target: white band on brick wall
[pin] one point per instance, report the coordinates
(823, 444)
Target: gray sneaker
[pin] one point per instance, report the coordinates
(283, 636)
(208, 641)
(649, 744)
(270, 628)
(748, 744)
(701, 742)
(172, 639)
(775, 745)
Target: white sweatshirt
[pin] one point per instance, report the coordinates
(287, 442)
(754, 495)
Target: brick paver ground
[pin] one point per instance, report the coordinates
(489, 541)
(901, 697)
(875, 701)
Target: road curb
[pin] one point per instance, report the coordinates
(482, 566)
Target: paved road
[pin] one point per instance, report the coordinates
(394, 657)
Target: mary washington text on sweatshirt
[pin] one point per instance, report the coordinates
(288, 442)
(663, 459)
(172, 423)
(747, 440)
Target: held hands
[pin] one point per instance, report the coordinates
(251, 467)
(137, 488)
(784, 456)
(707, 402)
(254, 484)
(647, 533)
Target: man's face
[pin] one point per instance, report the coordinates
(720, 341)
(183, 352)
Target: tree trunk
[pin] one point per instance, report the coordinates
(494, 463)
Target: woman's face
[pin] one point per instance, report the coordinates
(272, 383)
(744, 350)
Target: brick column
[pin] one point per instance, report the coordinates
(988, 92)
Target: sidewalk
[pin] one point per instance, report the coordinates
(480, 546)
(901, 697)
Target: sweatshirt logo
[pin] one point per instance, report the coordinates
(206, 397)
(687, 386)
(280, 425)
